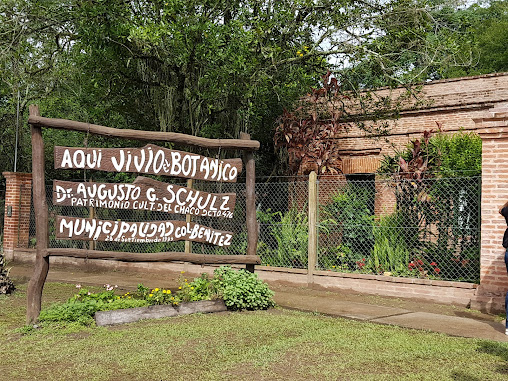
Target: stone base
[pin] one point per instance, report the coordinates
(131, 315)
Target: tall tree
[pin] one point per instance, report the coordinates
(205, 67)
(450, 40)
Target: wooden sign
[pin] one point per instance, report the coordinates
(150, 159)
(144, 194)
(88, 229)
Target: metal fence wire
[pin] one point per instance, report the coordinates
(426, 229)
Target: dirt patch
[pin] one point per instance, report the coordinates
(246, 371)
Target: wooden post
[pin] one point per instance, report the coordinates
(188, 218)
(313, 236)
(92, 245)
(250, 202)
(41, 268)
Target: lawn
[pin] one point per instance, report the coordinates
(266, 345)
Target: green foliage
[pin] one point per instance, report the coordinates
(200, 288)
(242, 290)
(465, 41)
(287, 240)
(82, 307)
(70, 312)
(349, 211)
(441, 205)
(390, 252)
(458, 154)
(209, 68)
(239, 289)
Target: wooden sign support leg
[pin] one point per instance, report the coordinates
(41, 268)
(188, 218)
(250, 201)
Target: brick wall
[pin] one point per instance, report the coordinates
(454, 103)
(17, 211)
(493, 129)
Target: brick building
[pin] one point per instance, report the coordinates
(453, 103)
(478, 104)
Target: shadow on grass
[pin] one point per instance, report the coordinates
(496, 349)
(461, 376)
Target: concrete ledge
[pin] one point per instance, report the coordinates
(130, 315)
(392, 279)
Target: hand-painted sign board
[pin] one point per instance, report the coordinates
(88, 229)
(144, 194)
(149, 195)
(150, 159)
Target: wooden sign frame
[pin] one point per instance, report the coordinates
(43, 251)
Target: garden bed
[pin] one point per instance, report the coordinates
(229, 289)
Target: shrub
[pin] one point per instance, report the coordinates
(82, 307)
(242, 289)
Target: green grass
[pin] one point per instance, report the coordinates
(270, 345)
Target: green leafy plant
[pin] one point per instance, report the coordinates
(348, 215)
(200, 288)
(242, 290)
(288, 240)
(82, 307)
(390, 253)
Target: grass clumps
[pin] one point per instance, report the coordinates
(82, 307)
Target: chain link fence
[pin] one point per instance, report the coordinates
(423, 229)
(276, 227)
(426, 229)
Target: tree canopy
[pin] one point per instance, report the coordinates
(214, 68)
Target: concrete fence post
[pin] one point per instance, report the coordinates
(18, 194)
(313, 233)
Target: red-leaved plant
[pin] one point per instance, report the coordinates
(308, 132)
